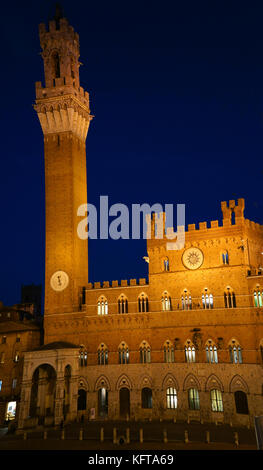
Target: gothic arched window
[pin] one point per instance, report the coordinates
(102, 306)
(235, 352)
(225, 257)
(189, 351)
(102, 355)
(166, 301)
(186, 300)
(166, 264)
(123, 353)
(229, 298)
(258, 297)
(207, 299)
(143, 303)
(122, 304)
(83, 356)
(168, 351)
(211, 352)
(145, 353)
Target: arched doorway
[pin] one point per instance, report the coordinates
(241, 402)
(82, 400)
(124, 400)
(42, 399)
(103, 402)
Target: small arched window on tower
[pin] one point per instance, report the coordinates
(186, 300)
(145, 353)
(166, 301)
(211, 352)
(189, 351)
(235, 352)
(207, 299)
(229, 298)
(225, 257)
(55, 65)
(143, 304)
(166, 264)
(258, 297)
(122, 304)
(123, 353)
(102, 306)
(168, 351)
(72, 68)
(102, 354)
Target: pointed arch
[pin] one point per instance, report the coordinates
(83, 383)
(145, 381)
(124, 381)
(238, 383)
(213, 382)
(191, 382)
(170, 381)
(102, 382)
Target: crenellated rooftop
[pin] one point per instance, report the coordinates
(233, 217)
(122, 283)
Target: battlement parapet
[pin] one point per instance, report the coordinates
(112, 284)
(53, 27)
(233, 216)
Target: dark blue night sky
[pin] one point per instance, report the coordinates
(177, 93)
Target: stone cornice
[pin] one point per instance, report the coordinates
(63, 114)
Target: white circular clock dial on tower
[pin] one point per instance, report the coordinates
(59, 281)
(193, 258)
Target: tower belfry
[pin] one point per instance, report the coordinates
(64, 114)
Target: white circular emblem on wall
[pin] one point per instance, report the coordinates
(59, 281)
(193, 258)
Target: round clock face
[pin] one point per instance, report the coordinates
(193, 258)
(59, 281)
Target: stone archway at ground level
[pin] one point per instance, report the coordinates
(49, 389)
(124, 401)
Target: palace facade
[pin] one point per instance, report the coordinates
(186, 344)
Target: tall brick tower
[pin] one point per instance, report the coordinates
(63, 110)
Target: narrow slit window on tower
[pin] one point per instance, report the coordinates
(56, 65)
